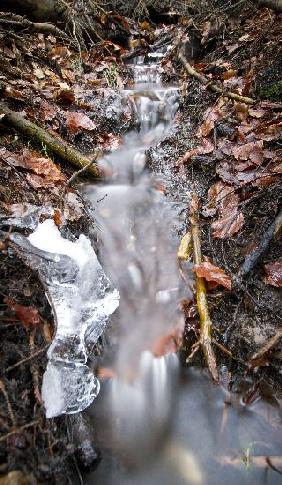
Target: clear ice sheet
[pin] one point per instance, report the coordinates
(82, 299)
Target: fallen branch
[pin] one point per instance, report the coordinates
(275, 5)
(40, 27)
(211, 86)
(201, 295)
(253, 258)
(34, 132)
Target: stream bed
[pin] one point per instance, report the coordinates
(154, 421)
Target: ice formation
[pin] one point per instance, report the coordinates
(82, 299)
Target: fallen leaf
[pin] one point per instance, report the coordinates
(77, 121)
(229, 74)
(47, 111)
(46, 173)
(203, 149)
(252, 151)
(220, 198)
(256, 113)
(210, 117)
(213, 273)
(228, 225)
(274, 273)
(28, 315)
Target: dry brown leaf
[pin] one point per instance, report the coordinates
(46, 172)
(212, 273)
(274, 273)
(252, 151)
(210, 117)
(203, 149)
(257, 113)
(228, 225)
(78, 121)
(47, 111)
(28, 315)
(220, 198)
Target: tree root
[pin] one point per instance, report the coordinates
(211, 86)
(37, 134)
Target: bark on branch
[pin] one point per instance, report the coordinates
(40, 27)
(34, 132)
(273, 4)
(211, 86)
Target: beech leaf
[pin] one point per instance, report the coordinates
(213, 273)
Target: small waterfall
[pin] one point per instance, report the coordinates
(138, 251)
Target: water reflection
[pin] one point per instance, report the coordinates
(213, 439)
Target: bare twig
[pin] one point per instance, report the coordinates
(27, 359)
(267, 346)
(19, 430)
(9, 406)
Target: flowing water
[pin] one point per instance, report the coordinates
(153, 425)
(154, 421)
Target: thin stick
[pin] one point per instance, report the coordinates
(253, 258)
(201, 295)
(211, 86)
(267, 346)
(9, 406)
(27, 359)
(19, 430)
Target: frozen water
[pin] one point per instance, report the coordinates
(68, 389)
(82, 299)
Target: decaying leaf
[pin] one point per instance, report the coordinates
(213, 273)
(228, 225)
(274, 273)
(28, 315)
(45, 172)
(210, 117)
(252, 151)
(77, 121)
(203, 149)
(73, 208)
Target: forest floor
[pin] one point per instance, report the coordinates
(227, 150)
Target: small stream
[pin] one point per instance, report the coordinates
(157, 423)
(153, 420)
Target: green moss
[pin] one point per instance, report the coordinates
(273, 92)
